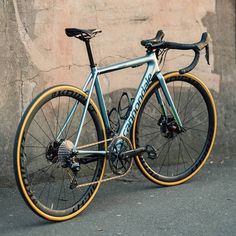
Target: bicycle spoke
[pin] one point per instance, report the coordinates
(41, 192)
(199, 130)
(169, 145)
(186, 149)
(33, 146)
(150, 116)
(48, 192)
(152, 138)
(188, 102)
(68, 107)
(48, 124)
(195, 108)
(181, 152)
(77, 130)
(192, 118)
(36, 140)
(42, 170)
(155, 107)
(179, 95)
(71, 120)
(177, 166)
(59, 196)
(39, 155)
(149, 134)
(192, 127)
(64, 191)
(192, 148)
(42, 130)
(57, 122)
(151, 127)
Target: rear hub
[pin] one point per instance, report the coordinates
(52, 151)
(62, 151)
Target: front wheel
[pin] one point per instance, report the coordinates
(46, 180)
(180, 155)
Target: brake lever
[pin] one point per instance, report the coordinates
(207, 54)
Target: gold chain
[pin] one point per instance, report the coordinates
(93, 144)
(110, 178)
(103, 180)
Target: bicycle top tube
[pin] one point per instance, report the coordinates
(149, 58)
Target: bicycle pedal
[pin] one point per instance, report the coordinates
(151, 151)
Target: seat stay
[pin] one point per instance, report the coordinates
(89, 92)
(74, 108)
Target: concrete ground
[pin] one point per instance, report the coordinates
(206, 205)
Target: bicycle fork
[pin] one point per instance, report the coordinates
(169, 100)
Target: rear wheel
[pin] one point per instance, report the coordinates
(180, 155)
(46, 180)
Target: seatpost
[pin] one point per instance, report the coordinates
(90, 55)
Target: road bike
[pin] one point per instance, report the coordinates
(65, 138)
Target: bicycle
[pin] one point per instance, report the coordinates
(64, 139)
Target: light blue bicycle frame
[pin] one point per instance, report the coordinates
(93, 81)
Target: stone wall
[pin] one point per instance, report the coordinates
(35, 53)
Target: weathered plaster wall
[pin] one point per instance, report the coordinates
(35, 53)
(221, 25)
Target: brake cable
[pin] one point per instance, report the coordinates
(162, 54)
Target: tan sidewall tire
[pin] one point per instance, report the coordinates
(17, 153)
(137, 160)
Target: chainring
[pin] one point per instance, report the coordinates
(119, 165)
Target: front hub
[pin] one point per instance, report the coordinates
(168, 127)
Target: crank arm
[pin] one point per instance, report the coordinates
(133, 153)
(150, 150)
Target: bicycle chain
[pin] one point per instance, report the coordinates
(110, 178)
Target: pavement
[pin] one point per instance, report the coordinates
(206, 205)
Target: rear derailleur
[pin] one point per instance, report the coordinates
(61, 151)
